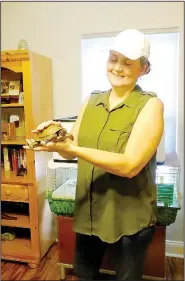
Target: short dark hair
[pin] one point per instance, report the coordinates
(144, 61)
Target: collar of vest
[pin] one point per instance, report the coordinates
(130, 101)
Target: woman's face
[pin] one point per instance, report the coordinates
(121, 71)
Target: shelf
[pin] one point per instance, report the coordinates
(12, 105)
(29, 190)
(16, 247)
(14, 55)
(16, 141)
(9, 96)
(22, 221)
(10, 177)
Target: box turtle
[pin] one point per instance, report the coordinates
(52, 132)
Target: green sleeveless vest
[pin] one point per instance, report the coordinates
(107, 205)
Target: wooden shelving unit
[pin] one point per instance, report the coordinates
(17, 247)
(22, 221)
(9, 177)
(12, 105)
(16, 141)
(36, 77)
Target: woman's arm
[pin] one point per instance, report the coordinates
(142, 144)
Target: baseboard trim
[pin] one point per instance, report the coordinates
(175, 249)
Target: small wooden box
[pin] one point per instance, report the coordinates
(8, 130)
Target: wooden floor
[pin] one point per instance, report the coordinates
(49, 269)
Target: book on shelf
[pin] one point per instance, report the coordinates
(6, 163)
(14, 88)
(4, 87)
(13, 158)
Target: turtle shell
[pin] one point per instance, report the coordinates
(49, 131)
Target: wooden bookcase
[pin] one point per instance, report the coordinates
(34, 228)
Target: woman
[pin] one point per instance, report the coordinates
(116, 137)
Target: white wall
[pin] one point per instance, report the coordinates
(55, 30)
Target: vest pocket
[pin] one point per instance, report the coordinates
(120, 138)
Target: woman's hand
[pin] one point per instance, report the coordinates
(56, 145)
(63, 146)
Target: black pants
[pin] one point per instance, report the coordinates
(127, 255)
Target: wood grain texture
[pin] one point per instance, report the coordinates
(49, 269)
(38, 106)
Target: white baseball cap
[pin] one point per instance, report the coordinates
(131, 43)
